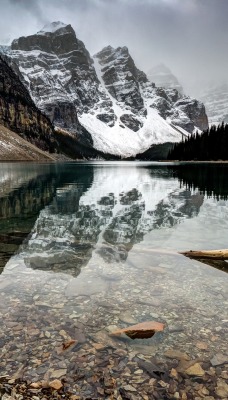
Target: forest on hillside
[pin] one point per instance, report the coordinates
(210, 145)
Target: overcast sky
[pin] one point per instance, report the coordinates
(189, 36)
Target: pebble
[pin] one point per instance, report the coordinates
(129, 388)
(195, 370)
(171, 353)
(219, 359)
(58, 373)
(56, 384)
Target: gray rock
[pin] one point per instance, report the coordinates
(219, 359)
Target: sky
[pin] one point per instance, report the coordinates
(189, 36)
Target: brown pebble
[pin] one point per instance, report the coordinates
(56, 384)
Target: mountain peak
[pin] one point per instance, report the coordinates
(109, 96)
(52, 27)
(162, 76)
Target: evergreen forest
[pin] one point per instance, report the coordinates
(210, 145)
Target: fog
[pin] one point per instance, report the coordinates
(189, 36)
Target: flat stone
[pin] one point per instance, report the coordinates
(111, 328)
(219, 359)
(222, 389)
(143, 330)
(173, 373)
(58, 373)
(7, 397)
(195, 370)
(204, 392)
(221, 393)
(36, 385)
(56, 384)
(175, 328)
(138, 372)
(150, 368)
(178, 355)
(129, 388)
(98, 346)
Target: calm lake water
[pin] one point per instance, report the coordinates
(87, 248)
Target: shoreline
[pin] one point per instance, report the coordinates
(179, 377)
(176, 162)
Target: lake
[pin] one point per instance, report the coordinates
(88, 248)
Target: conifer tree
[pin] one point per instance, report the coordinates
(210, 145)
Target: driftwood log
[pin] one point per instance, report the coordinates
(213, 254)
(214, 258)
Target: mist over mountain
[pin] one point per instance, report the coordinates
(162, 76)
(187, 36)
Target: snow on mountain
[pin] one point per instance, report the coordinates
(106, 101)
(215, 98)
(4, 49)
(51, 27)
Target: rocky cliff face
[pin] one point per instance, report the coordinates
(182, 110)
(59, 73)
(215, 98)
(19, 113)
(107, 102)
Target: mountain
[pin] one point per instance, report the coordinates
(106, 102)
(215, 98)
(19, 114)
(14, 148)
(163, 77)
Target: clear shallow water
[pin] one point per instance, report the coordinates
(99, 252)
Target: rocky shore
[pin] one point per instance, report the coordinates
(115, 375)
(57, 335)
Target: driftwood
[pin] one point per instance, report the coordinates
(213, 254)
(214, 258)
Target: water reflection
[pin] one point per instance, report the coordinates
(73, 212)
(210, 179)
(107, 215)
(25, 190)
(70, 212)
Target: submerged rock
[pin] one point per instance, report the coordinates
(143, 330)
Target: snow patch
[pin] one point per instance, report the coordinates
(125, 142)
(52, 27)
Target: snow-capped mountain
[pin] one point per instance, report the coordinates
(121, 111)
(163, 77)
(215, 98)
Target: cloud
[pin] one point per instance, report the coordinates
(29, 6)
(188, 35)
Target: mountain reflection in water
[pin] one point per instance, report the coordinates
(76, 212)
